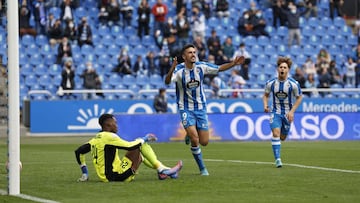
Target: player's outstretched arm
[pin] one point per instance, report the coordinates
(237, 61)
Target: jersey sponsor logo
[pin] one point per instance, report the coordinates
(281, 95)
(193, 84)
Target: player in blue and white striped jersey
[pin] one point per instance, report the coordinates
(190, 96)
(286, 98)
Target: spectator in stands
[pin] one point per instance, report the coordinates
(200, 47)
(277, 5)
(169, 34)
(236, 82)
(50, 22)
(91, 81)
(114, 12)
(40, 16)
(55, 33)
(335, 75)
(220, 58)
(143, 12)
(198, 23)
(124, 63)
(164, 64)
(357, 74)
(67, 10)
(293, 22)
(311, 84)
(3, 69)
(24, 22)
(350, 66)
(213, 43)
(103, 15)
(151, 60)
(64, 51)
(183, 28)
(259, 24)
(311, 7)
(323, 58)
(160, 11)
(309, 67)
(126, 11)
(299, 76)
(324, 80)
(228, 48)
(245, 25)
(222, 8)
(67, 78)
(244, 68)
(180, 4)
(356, 54)
(218, 84)
(84, 33)
(70, 31)
(336, 6)
(140, 66)
(2, 10)
(160, 101)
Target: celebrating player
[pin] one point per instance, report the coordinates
(188, 77)
(109, 167)
(284, 91)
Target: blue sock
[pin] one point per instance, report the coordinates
(84, 169)
(196, 152)
(276, 146)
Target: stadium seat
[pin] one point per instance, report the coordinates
(27, 40)
(156, 81)
(130, 31)
(100, 49)
(300, 59)
(45, 80)
(295, 50)
(77, 58)
(128, 80)
(113, 49)
(262, 59)
(313, 22)
(114, 80)
(250, 40)
(93, 13)
(116, 30)
(46, 49)
(307, 31)
(103, 59)
(340, 40)
(212, 22)
(107, 40)
(271, 30)
(276, 40)
(30, 80)
(80, 12)
(23, 59)
(55, 69)
(41, 40)
(142, 80)
(309, 50)
(31, 49)
(36, 59)
(147, 40)
(319, 31)
(327, 40)
(26, 69)
(86, 49)
(56, 11)
(339, 21)
(139, 50)
(263, 41)
(232, 31)
(121, 40)
(40, 70)
(103, 30)
(326, 21)
(256, 50)
(134, 40)
(282, 31)
(314, 40)
(282, 50)
(352, 40)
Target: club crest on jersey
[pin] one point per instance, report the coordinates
(281, 95)
(193, 84)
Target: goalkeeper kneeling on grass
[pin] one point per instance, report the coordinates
(109, 167)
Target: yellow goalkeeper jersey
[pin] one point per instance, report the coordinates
(98, 144)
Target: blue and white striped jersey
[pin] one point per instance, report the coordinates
(190, 94)
(284, 94)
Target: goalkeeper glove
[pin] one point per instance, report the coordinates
(85, 176)
(149, 137)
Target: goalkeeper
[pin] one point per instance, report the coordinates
(109, 167)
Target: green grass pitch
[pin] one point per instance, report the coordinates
(239, 172)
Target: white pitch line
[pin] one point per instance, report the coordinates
(293, 165)
(28, 197)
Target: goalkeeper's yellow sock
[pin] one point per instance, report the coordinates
(150, 158)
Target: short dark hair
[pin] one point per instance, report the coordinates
(186, 47)
(104, 117)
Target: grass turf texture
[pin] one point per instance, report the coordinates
(50, 172)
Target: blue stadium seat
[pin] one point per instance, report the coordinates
(116, 30)
(40, 70)
(113, 49)
(340, 40)
(295, 50)
(56, 11)
(45, 80)
(232, 31)
(107, 40)
(100, 49)
(86, 49)
(327, 40)
(142, 80)
(326, 21)
(262, 59)
(334, 49)
(300, 59)
(55, 69)
(332, 31)
(271, 30)
(27, 40)
(46, 49)
(212, 22)
(114, 80)
(23, 59)
(128, 80)
(31, 80)
(256, 50)
(78, 58)
(36, 59)
(309, 50)
(121, 40)
(307, 31)
(339, 21)
(314, 40)
(352, 40)
(41, 40)
(263, 40)
(147, 40)
(276, 40)
(250, 40)
(282, 31)
(103, 59)
(319, 30)
(282, 50)
(80, 12)
(156, 81)
(139, 50)
(130, 31)
(31, 49)
(26, 69)
(134, 40)
(93, 13)
(103, 30)
(313, 22)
